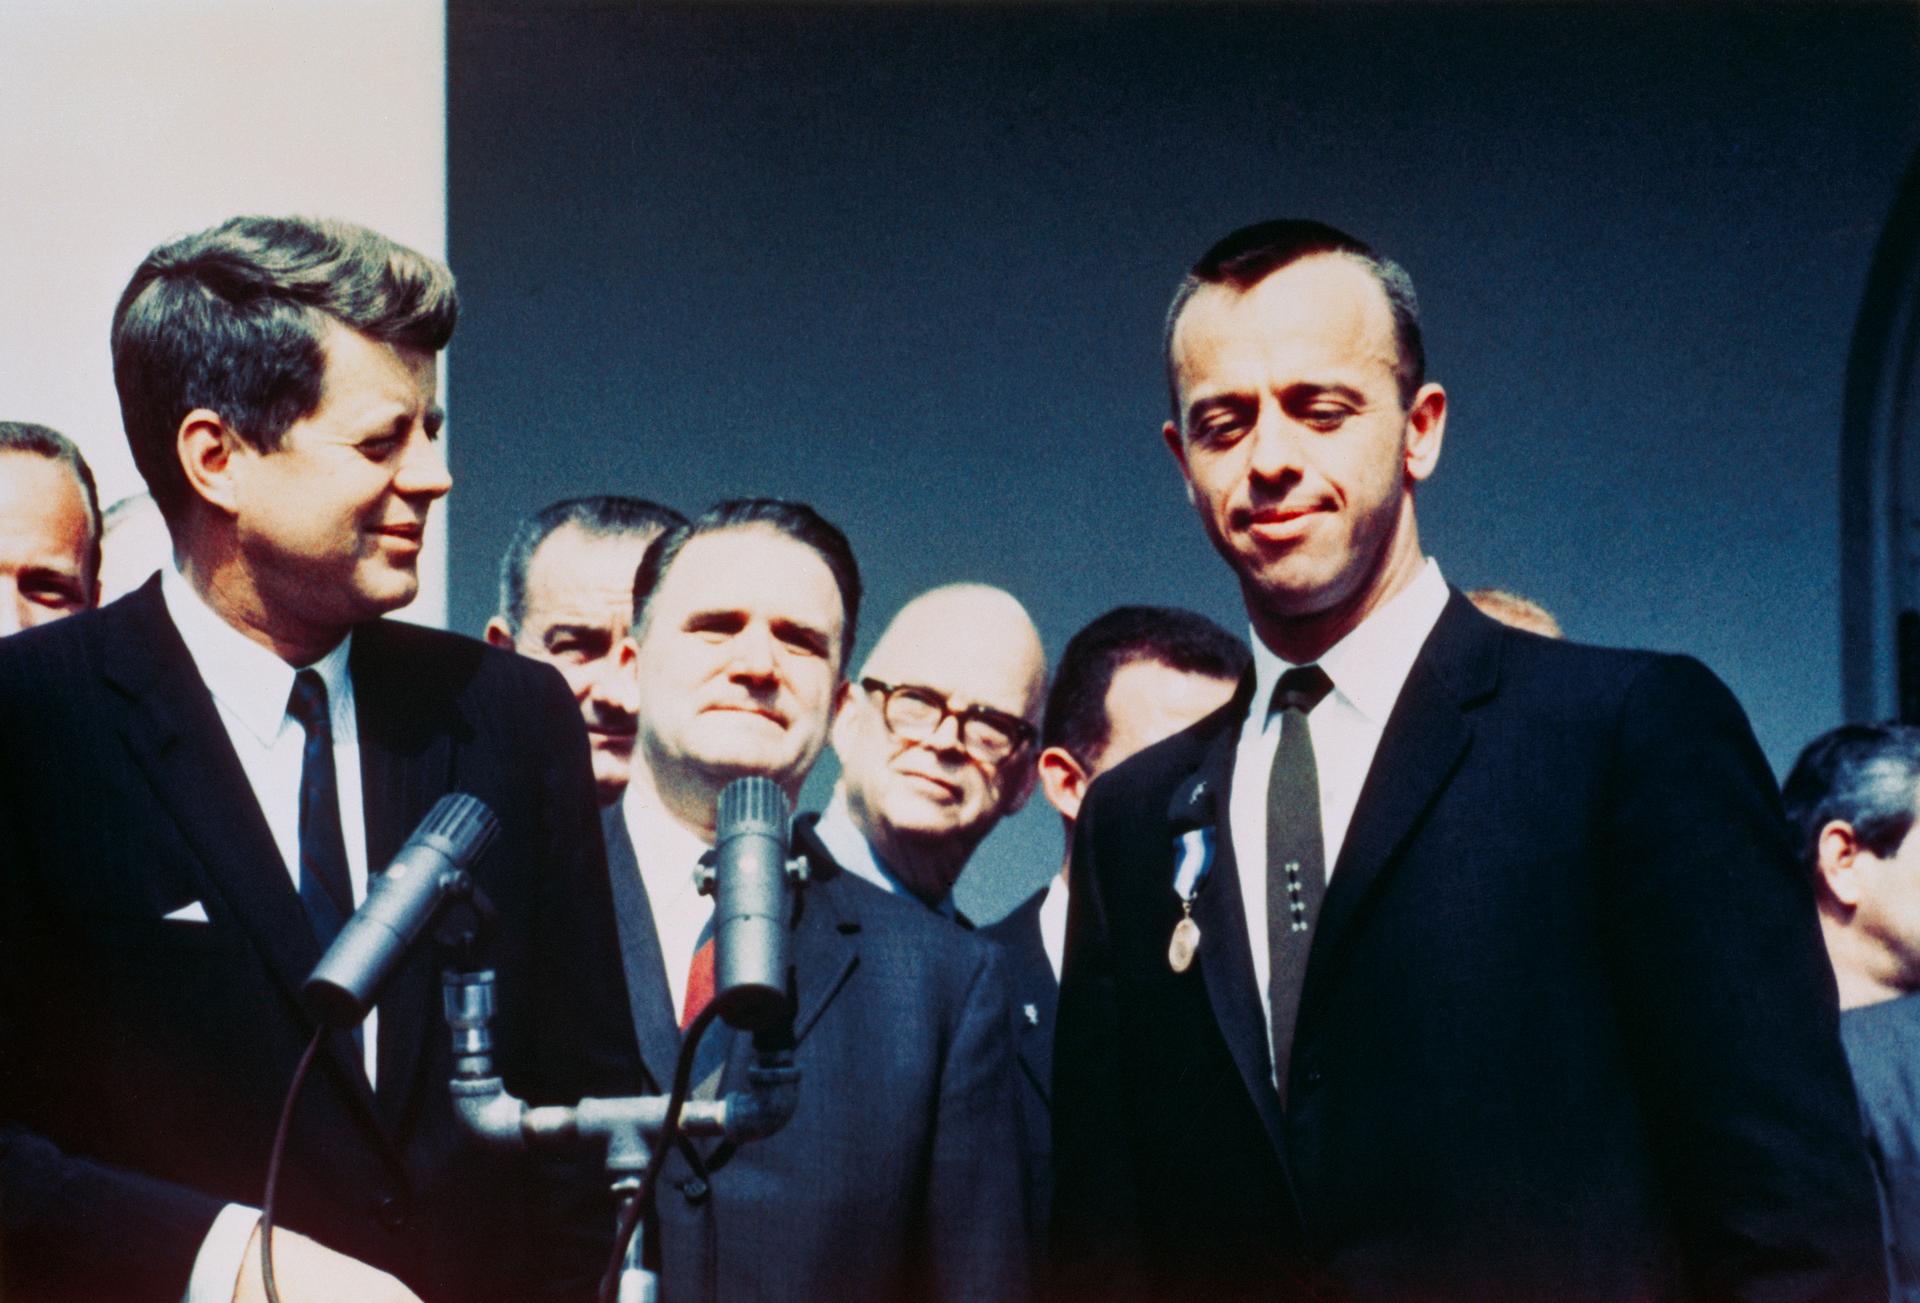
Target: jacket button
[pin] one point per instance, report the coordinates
(392, 1212)
(695, 1190)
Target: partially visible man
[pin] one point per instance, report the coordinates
(1135, 675)
(49, 528)
(1444, 962)
(1852, 797)
(199, 783)
(1516, 611)
(898, 1176)
(936, 744)
(566, 598)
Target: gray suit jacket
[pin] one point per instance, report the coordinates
(899, 1175)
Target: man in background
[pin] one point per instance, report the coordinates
(1132, 677)
(936, 743)
(1516, 611)
(49, 528)
(1852, 797)
(566, 598)
(898, 1176)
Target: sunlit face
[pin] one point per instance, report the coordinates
(579, 607)
(1292, 438)
(1889, 907)
(738, 660)
(1149, 700)
(44, 537)
(974, 651)
(329, 525)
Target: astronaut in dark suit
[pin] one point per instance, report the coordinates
(1446, 961)
(898, 1176)
(1129, 678)
(199, 780)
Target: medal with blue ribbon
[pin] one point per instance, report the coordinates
(1193, 860)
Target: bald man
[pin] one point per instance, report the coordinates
(936, 742)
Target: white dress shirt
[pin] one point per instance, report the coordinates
(250, 687)
(668, 855)
(854, 853)
(1053, 922)
(1368, 668)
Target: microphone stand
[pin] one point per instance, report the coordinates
(639, 1131)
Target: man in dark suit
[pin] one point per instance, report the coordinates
(1446, 961)
(199, 780)
(1133, 676)
(898, 1176)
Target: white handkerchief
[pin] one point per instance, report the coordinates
(193, 913)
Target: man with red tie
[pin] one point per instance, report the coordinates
(899, 1175)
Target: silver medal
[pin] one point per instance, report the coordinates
(1185, 944)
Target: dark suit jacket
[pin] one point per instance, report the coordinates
(1036, 995)
(898, 1176)
(1567, 1030)
(143, 1061)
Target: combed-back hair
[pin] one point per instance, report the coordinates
(233, 320)
(1076, 716)
(1865, 775)
(45, 441)
(603, 516)
(796, 520)
(1251, 254)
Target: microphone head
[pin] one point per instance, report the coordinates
(461, 827)
(754, 804)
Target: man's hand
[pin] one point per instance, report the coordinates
(307, 1271)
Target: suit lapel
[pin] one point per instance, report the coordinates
(405, 765)
(1420, 749)
(174, 732)
(654, 1025)
(1226, 962)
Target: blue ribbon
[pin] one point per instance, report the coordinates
(1195, 851)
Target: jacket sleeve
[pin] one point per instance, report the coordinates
(1729, 1004)
(1093, 1233)
(976, 1200)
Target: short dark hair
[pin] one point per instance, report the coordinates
(603, 516)
(45, 441)
(233, 319)
(796, 520)
(1865, 775)
(1076, 716)
(1251, 254)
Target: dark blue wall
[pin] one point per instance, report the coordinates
(908, 262)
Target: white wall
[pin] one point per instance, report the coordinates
(126, 122)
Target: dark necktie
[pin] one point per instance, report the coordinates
(1296, 857)
(324, 887)
(710, 1058)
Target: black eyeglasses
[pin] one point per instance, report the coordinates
(915, 713)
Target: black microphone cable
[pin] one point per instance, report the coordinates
(669, 1136)
(273, 1162)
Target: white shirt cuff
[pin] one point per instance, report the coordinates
(216, 1271)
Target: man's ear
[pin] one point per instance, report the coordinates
(1837, 856)
(1064, 780)
(837, 712)
(1177, 445)
(1426, 429)
(205, 446)
(497, 634)
(1018, 777)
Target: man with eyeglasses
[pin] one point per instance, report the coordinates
(936, 742)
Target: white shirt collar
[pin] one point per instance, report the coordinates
(246, 678)
(854, 853)
(667, 851)
(1370, 665)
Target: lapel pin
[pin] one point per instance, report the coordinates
(1033, 1015)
